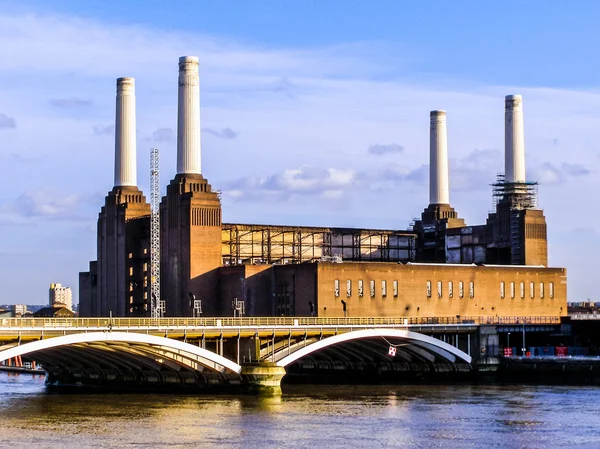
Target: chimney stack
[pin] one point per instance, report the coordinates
(514, 140)
(125, 140)
(438, 159)
(188, 117)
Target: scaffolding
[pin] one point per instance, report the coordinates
(156, 305)
(511, 200)
(518, 195)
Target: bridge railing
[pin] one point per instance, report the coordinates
(105, 323)
(584, 316)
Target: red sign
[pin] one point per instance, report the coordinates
(562, 351)
(508, 352)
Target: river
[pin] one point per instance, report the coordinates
(428, 416)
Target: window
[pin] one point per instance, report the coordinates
(429, 289)
(532, 289)
(395, 289)
(502, 290)
(471, 289)
(360, 288)
(512, 290)
(383, 289)
(450, 290)
(336, 287)
(541, 290)
(130, 271)
(522, 290)
(372, 289)
(348, 288)
(461, 289)
(440, 289)
(551, 290)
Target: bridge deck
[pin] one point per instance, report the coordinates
(27, 329)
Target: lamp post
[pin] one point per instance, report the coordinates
(508, 340)
(524, 347)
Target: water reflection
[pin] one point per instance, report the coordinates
(316, 416)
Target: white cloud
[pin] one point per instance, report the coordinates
(163, 135)
(7, 122)
(547, 173)
(380, 150)
(46, 202)
(306, 180)
(70, 103)
(225, 133)
(107, 130)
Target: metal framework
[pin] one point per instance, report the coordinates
(156, 308)
(268, 244)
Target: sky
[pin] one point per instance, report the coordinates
(312, 113)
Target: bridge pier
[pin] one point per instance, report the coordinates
(263, 378)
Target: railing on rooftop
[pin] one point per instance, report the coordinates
(132, 323)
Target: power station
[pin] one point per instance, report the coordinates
(442, 267)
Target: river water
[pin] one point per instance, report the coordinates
(463, 416)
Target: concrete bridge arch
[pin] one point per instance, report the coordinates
(407, 344)
(100, 357)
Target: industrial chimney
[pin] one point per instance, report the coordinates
(438, 159)
(514, 140)
(188, 117)
(438, 216)
(125, 146)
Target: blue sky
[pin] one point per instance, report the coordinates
(314, 113)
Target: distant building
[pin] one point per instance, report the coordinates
(58, 311)
(19, 309)
(62, 295)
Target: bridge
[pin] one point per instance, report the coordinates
(254, 353)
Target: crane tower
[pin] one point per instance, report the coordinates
(156, 305)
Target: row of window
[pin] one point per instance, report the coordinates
(541, 290)
(461, 289)
(440, 289)
(372, 287)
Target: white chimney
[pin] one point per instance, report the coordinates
(188, 117)
(125, 145)
(514, 140)
(438, 159)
